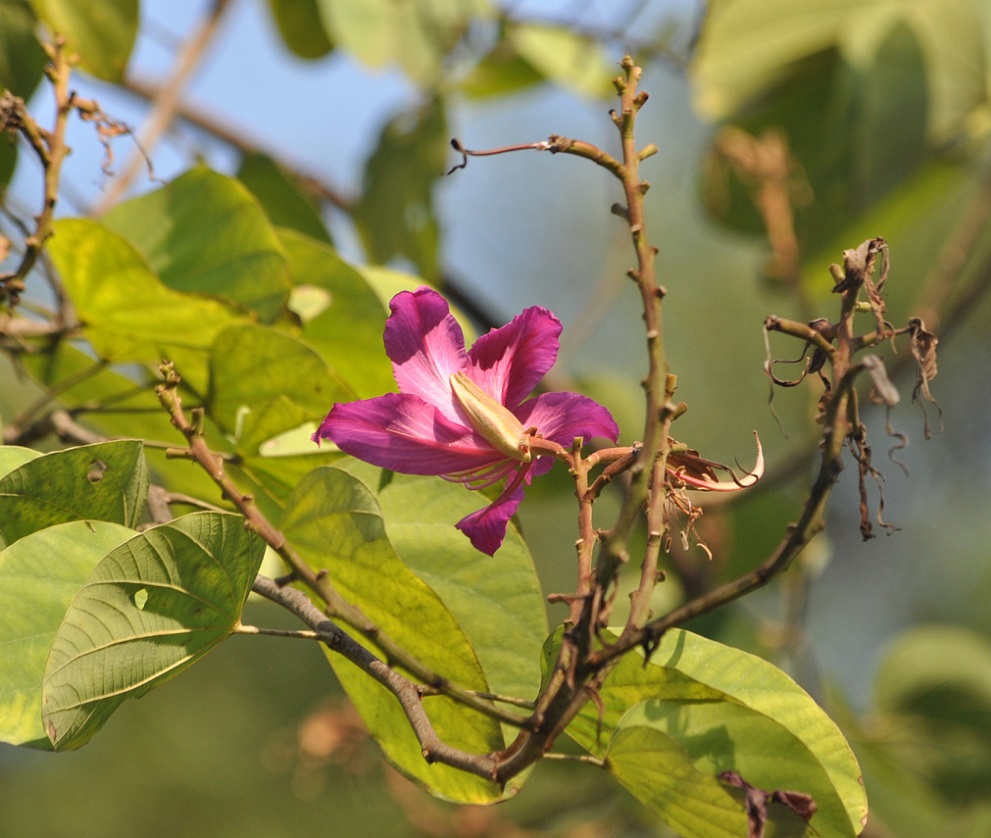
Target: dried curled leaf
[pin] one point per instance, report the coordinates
(924, 345)
(757, 799)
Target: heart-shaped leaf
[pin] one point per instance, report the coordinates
(154, 606)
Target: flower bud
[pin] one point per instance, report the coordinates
(492, 420)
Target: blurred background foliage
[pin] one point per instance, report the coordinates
(788, 132)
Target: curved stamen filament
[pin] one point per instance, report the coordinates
(483, 477)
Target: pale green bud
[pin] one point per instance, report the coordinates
(492, 420)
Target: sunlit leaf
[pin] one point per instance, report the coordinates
(301, 27)
(251, 365)
(418, 36)
(334, 522)
(499, 73)
(205, 233)
(729, 710)
(154, 606)
(348, 330)
(279, 194)
(396, 214)
(497, 602)
(362, 27)
(107, 481)
(749, 46)
(14, 456)
(102, 32)
(277, 447)
(658, 772)
(574, 61)
(39, 576)
(128, 408)
(129, 314)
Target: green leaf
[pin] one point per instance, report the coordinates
(362, 27)
(154, 606)
(102, 32)
(301, 27)
(334, 522)
(107, 482)
(279, 458)
(419, 36)
(129, 315)
(501, 72)
(39, 576)
(652, 766)
(396, 214)
(205, 233)
(348, 329)
(729, 710)
(574, 61)
(281, 197)
(131, 409)
(252, 365)
(936, 681)
(496, 601)
(14, 456)
(750, 46)
(21, 56)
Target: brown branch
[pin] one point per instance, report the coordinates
(51, 150)
(240, 140)
(337, 606)
(406, 692)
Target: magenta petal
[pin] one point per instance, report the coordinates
(563, 416)
(487, 528)
(426, 345)
(509, 362)
(405, 434)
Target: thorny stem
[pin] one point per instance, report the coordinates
(572, 681)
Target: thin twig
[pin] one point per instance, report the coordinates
(165, 106)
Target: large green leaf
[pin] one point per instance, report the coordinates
(351, 320)
(124, 406)
(252, 365)
(301, 27)
(281, 197)
(277, 447)
(574, 61)
(130, 316)
(14, 456)
(205, 233)
(729, 710)
(396, 214)
(154, 606)
(107, 481)
(750, 46)
(102, 32)
(21, 57)
(418, 36)
(496, 601)
(864, 93)
(334, 522)
(660, 774)
(39, 576)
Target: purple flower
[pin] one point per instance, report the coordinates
(461, 414)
